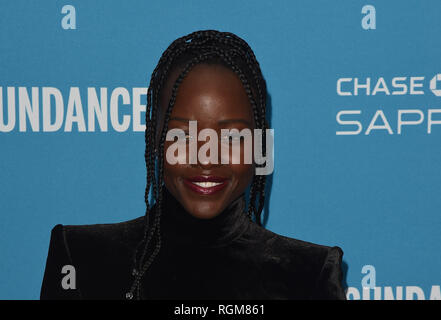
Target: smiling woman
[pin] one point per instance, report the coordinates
(210, 95)
(200, 238)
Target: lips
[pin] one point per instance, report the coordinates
(206, 185)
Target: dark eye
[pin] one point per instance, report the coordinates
(183, 137)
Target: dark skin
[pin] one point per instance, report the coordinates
(214, 96)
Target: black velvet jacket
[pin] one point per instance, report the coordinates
(227, 257)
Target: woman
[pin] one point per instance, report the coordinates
(200, 239)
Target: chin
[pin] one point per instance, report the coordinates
(204, 210)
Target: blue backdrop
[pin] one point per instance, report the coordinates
(374, 193)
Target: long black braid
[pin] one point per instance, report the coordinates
(207, 46)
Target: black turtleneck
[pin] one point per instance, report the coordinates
(180, 227)
(227, 257)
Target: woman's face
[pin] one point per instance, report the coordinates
(214, 96)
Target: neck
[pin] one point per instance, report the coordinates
(179, 226)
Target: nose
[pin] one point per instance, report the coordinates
(207, 153)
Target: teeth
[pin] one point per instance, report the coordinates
(207, 184)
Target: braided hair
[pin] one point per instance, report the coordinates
(210, 47)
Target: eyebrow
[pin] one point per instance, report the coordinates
(226, 121)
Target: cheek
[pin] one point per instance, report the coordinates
(168, 177)
(243, 174)
(172, 172)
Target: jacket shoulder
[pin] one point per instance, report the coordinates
(284, 245)
(314, 267)
(96, 253)
(109, 234)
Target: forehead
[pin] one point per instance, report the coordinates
(210, 93)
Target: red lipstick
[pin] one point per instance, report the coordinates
(206, 185)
